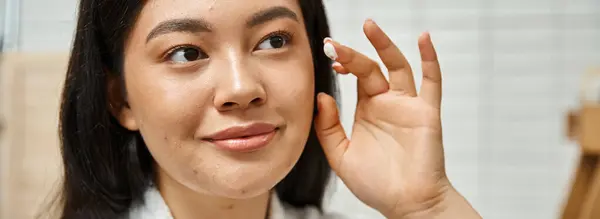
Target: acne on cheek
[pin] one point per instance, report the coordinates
(299, 90)
(198, 175)
(178, 145)
(170, 143)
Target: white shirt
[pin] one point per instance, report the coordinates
(155, 208)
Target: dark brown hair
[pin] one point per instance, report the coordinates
(107, 167)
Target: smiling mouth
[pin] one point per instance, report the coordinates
(244, 138)
(245, 143)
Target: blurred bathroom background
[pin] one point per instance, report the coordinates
(512, 71)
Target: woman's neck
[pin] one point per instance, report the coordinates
(187, 204)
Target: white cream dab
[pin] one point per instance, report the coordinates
(330, 51)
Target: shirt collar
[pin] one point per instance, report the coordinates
(155, 207)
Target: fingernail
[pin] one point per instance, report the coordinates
(329, 50)
(327, 39)
(336, 65)
(319, 97)
(371, 20)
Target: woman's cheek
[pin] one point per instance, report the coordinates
(172, 103)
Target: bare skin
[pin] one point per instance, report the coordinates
(394, 161)
(213, 67)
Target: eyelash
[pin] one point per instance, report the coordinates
(287, 35)
(172, 50)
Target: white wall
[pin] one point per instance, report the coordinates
(2, 17)
(511, 70)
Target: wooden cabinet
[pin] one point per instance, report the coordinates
(29, 155)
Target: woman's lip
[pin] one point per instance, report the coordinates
(241, 131)
(245, 144)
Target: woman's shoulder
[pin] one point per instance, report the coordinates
(152, 206)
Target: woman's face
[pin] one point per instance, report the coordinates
(221, 91)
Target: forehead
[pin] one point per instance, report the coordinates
(222, 13)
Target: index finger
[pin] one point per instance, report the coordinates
(401, 77)
(365, 69)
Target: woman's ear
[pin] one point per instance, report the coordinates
(118, 105)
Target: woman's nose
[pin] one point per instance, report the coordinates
(239, 88)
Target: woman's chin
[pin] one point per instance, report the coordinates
(238, 183)
(244, 188)
(229, 177)
(248, 179)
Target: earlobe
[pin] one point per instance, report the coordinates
(117, 104)
(125, 117)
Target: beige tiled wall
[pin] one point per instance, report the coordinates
(29, 152)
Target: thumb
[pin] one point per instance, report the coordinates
(330, 131)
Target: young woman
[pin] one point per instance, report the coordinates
(225, 109)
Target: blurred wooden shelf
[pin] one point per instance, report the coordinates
(583, 126)
(30, 167)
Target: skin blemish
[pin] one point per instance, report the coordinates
(184, 107)
(178, 145)
(212, 6)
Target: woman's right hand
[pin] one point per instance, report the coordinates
(394, 160)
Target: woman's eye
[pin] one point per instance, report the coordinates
(273, 42)
(186, 54)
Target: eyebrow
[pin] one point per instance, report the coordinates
(195, 25)
(187, 25)
(270, 14)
